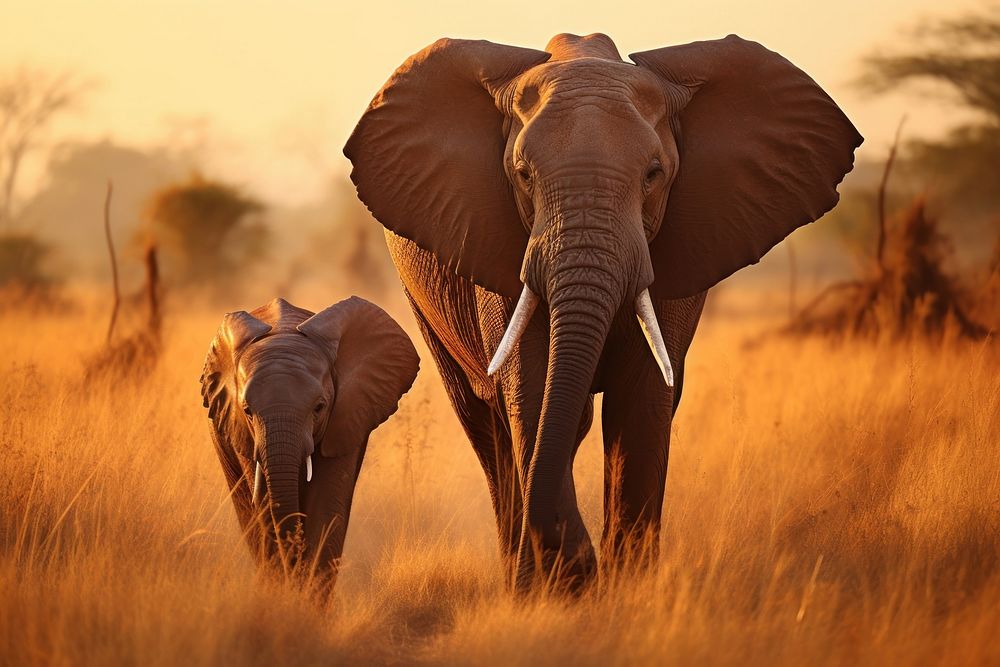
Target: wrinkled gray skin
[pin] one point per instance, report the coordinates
(592, 183)
(284, 387)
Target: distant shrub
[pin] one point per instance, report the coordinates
(22, 261)
(989, 298)
(207, 229)
(910, 293)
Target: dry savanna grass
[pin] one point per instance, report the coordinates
(827, 504)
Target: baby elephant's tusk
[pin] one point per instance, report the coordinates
(309, 468)
(258, 479)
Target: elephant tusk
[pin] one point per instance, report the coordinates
(309, 468)
(651, 329)
(518, 322)
(258, 479)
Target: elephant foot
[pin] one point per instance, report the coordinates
(319, 587)
(316, 580)
(636, 549)
(570, 569)
(577, 574)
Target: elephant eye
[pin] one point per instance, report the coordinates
(319, 407)
(654, 172)
(523, 172)
(246, 411)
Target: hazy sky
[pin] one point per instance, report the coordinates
(279, 85)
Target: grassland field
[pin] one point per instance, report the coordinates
(828, 503)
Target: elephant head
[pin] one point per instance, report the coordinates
(574, 178)
(288, 390)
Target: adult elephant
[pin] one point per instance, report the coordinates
(603, 190)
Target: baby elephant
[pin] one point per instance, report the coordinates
(292, 397)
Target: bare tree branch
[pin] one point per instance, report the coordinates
(114, 261)
(29, 101)
(880, 248)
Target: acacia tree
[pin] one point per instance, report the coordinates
(29, 101)
(962, 57)
(208, 229)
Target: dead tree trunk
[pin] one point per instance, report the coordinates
(114, 262)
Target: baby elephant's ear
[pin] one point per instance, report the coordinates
(374, 362)
(218, 377)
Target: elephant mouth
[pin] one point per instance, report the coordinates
(282, 467)
(258, 478)
(645, 313)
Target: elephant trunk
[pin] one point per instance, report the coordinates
(579, 327)
(585, 283)
(279, 444)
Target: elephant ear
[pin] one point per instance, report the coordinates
(762, 149)
(218, 378)
(428, 158)
(374, 365)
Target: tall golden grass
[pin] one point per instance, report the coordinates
(826, 504)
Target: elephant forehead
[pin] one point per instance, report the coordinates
(281, 315)
(566, 46)
(291, 353)
(272, 383)
(586, 81)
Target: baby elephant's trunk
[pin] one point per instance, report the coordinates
(279, 445)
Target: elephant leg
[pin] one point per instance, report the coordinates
(490, 440)
(326, 504)
(638, 409)
(240, 485)
(493, 448)
(575, 564)
(636, 418)
(496, 455)
(578, 550)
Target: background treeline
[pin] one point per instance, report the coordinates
(216, 239)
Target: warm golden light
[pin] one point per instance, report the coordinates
(832, 493)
